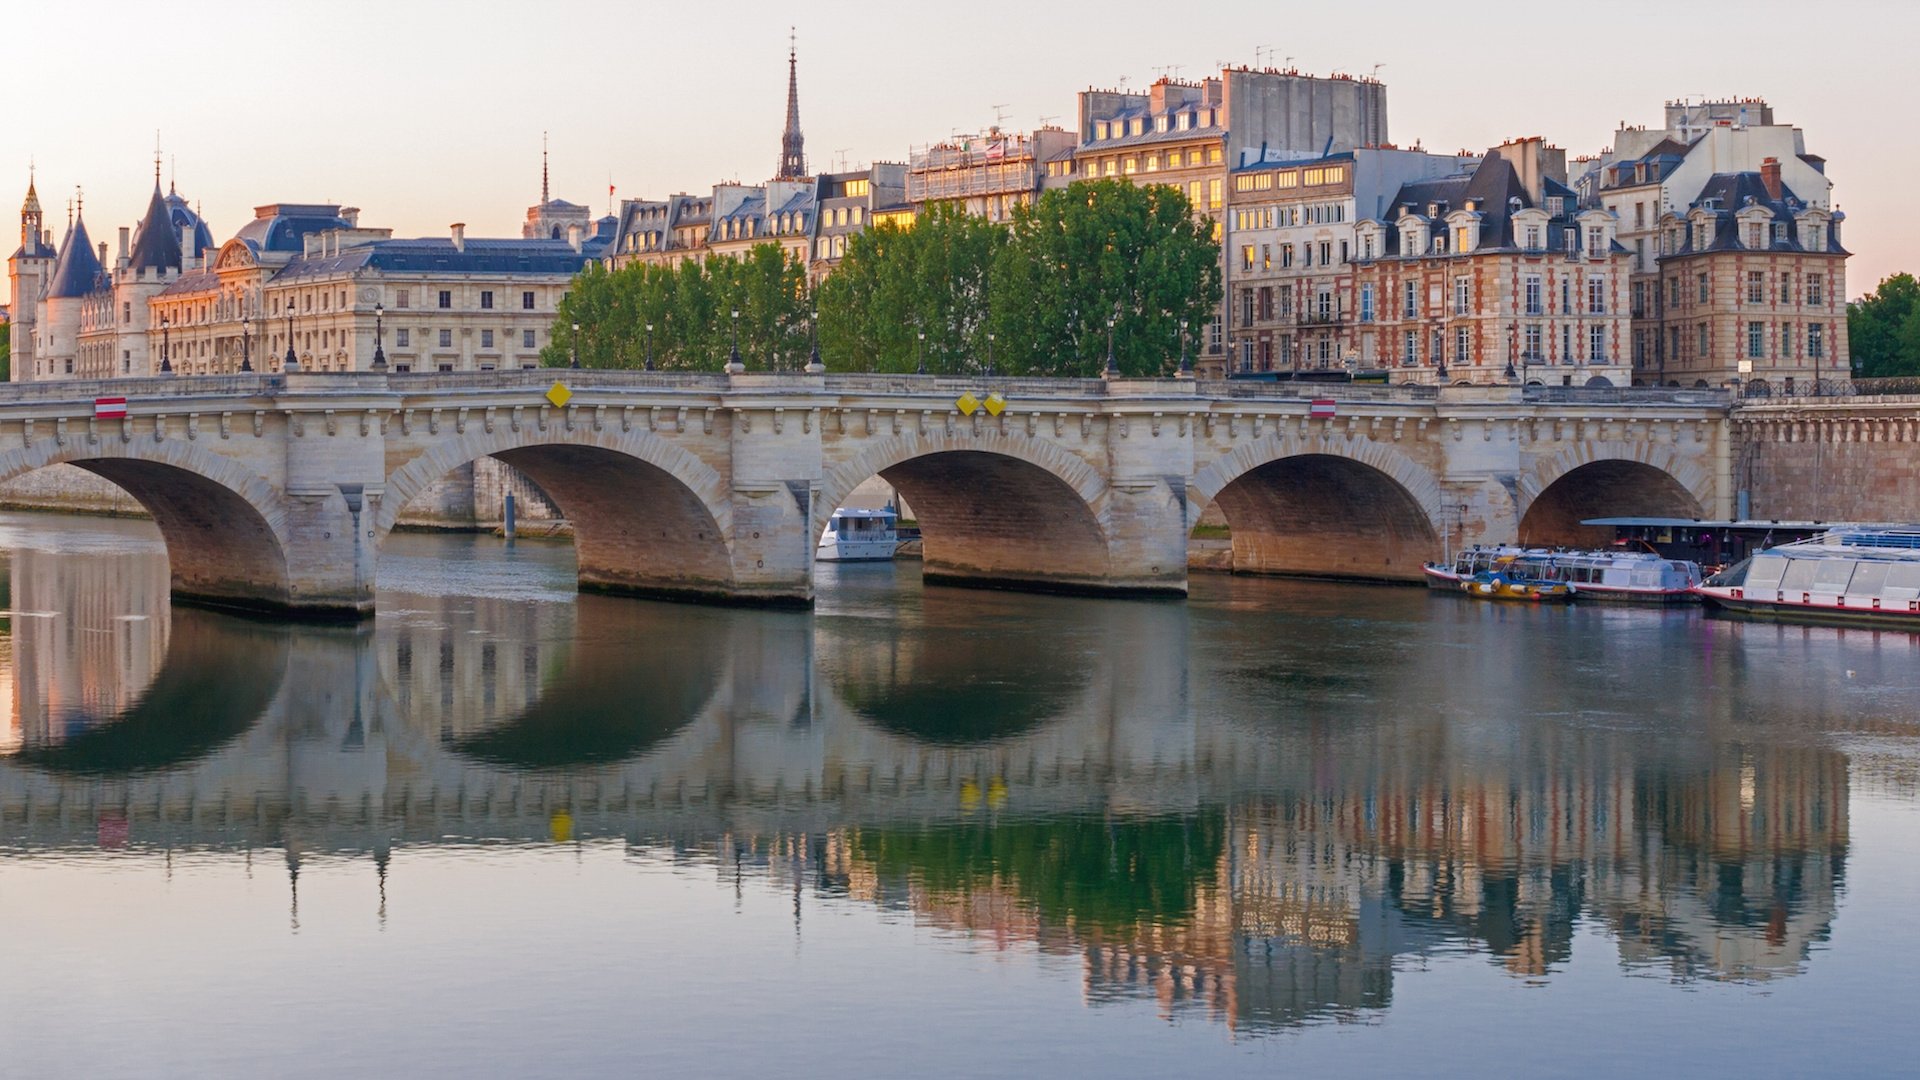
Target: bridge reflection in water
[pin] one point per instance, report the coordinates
(1263, 837)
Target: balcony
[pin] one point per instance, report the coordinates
(1320, 318)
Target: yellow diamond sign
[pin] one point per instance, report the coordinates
(968, 403)
(559, 395)
(995, 404)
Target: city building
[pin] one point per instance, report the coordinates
(1289, 247)
(849, 203)
(989, 174)
(1751, 285)
(1492, 276)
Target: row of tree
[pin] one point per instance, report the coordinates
(1094, 266)
(1883, 329)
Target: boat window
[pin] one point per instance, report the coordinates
(1831, 575)
(1765, 572)
(1903, 576)
(1799, 575)
(1868, 578)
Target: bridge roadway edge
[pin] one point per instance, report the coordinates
(1116, 471)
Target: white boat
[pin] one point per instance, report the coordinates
(1623, 576)
(1851, 576)
(854, 534)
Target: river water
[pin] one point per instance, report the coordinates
(506, 830)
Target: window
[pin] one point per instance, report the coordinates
(486, 339)
(1366, 303)
(526, 339)
(1462, 345)
(1533, 342)
(1756, 287)
(1596, 344)
(1535, 289)
(1566, 296)
(1596, 241)
(1756, 340)
(446, 298)
(1816, 341)
(1815, 290)
(1786, 288)
(1704, 347)
(401, 298)
(1535, 239)
(1596, 296)
(126, 313)
(1566, 343)
(1246, 257)
(1410, 300)
(486, 299)
(1410, 347)
(402, 339)
(446, 339)
(1462, 296)
(1703, 288)
(1266, 256)
(1213, 193)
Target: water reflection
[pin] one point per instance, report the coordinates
(1240, 808)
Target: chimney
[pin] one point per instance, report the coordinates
(103, 253)
(1770, 176)
(187, 261)
(573, 237)
(123, 245)
(460, 236)
(350, 215)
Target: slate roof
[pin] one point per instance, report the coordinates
(436, 255)
(156, 243)
(286, 229)
(78, 271)
(33, 246)
(1726, 194)
(183, 216)
(1493, 188)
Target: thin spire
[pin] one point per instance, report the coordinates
(544, 198)
(793, 158)
(156, 159)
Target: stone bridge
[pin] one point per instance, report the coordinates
(276, 491)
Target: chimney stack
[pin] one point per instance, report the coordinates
(1770, 177)
(573, 237)
(460, 236)
(103, 252)
(187, 261)
(123, 245)
(350, 215)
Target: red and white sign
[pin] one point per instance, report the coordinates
(1320, 407)
(109, 408)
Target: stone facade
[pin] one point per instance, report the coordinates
(1850, 459)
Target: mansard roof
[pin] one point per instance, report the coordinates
(184, 216)
(283, 227)
(156, 244)
(1725, 195)
(78, 271)
(438, 256)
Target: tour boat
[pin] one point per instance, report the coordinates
(1510, 579)
(857, 535)
(1851, 576)
(1624, 576)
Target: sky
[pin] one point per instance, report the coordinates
(427, 113)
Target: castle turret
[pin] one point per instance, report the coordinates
(77, 274)
(28, 271)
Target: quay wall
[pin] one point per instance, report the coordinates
(1854, 460)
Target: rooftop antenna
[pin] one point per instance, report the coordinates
(1258, 49)
(1123, 84)
(999, 115)
(1376, 71)
(1289, 64)
(842, 155)
(1175, 69)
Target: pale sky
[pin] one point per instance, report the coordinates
(424, 114)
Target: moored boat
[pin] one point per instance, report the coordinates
(1851, 576)
(855, 534)
(1620, 576)
(1506, 580)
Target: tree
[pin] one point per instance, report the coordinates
(1883, 329)
(896, 284)
(6, 351)
(1104, 258)
(690, 307)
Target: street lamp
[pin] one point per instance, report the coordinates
(1513, 337)
(573, 347)
(919, 352)
(379, 333)
(292, 361)
(1186, 362)
(246, 344)
(649, 346)
(733, 356)
(1113, 366)
(991, 338)
(166, 366)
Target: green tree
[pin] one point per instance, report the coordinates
(690, 309)
(1098, 257)
(1883, 329)
(897, 284)
(6, 353)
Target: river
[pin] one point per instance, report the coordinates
(506, 830)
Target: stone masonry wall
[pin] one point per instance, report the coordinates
(1854, 462)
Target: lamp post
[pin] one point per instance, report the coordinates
(649, 346)
(733, 355)
(1113, 366)
(991, 338)
(573, 347)
(166, 366)
(1186, 362)
(246, 344)
(919, 352)
(292, 361)
(814, 366)
(1513, 338)
(379, 334)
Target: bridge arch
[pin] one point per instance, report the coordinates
(1608, 479)
(1323, 507)
(224, 525)
(996, 509)
(648, 517)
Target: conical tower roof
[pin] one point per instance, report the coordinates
(32, 205)
(78, 271)
(156, 243)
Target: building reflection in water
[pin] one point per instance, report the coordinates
(1114, 790)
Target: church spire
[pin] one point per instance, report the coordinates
(544, 197)
(793, 157)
